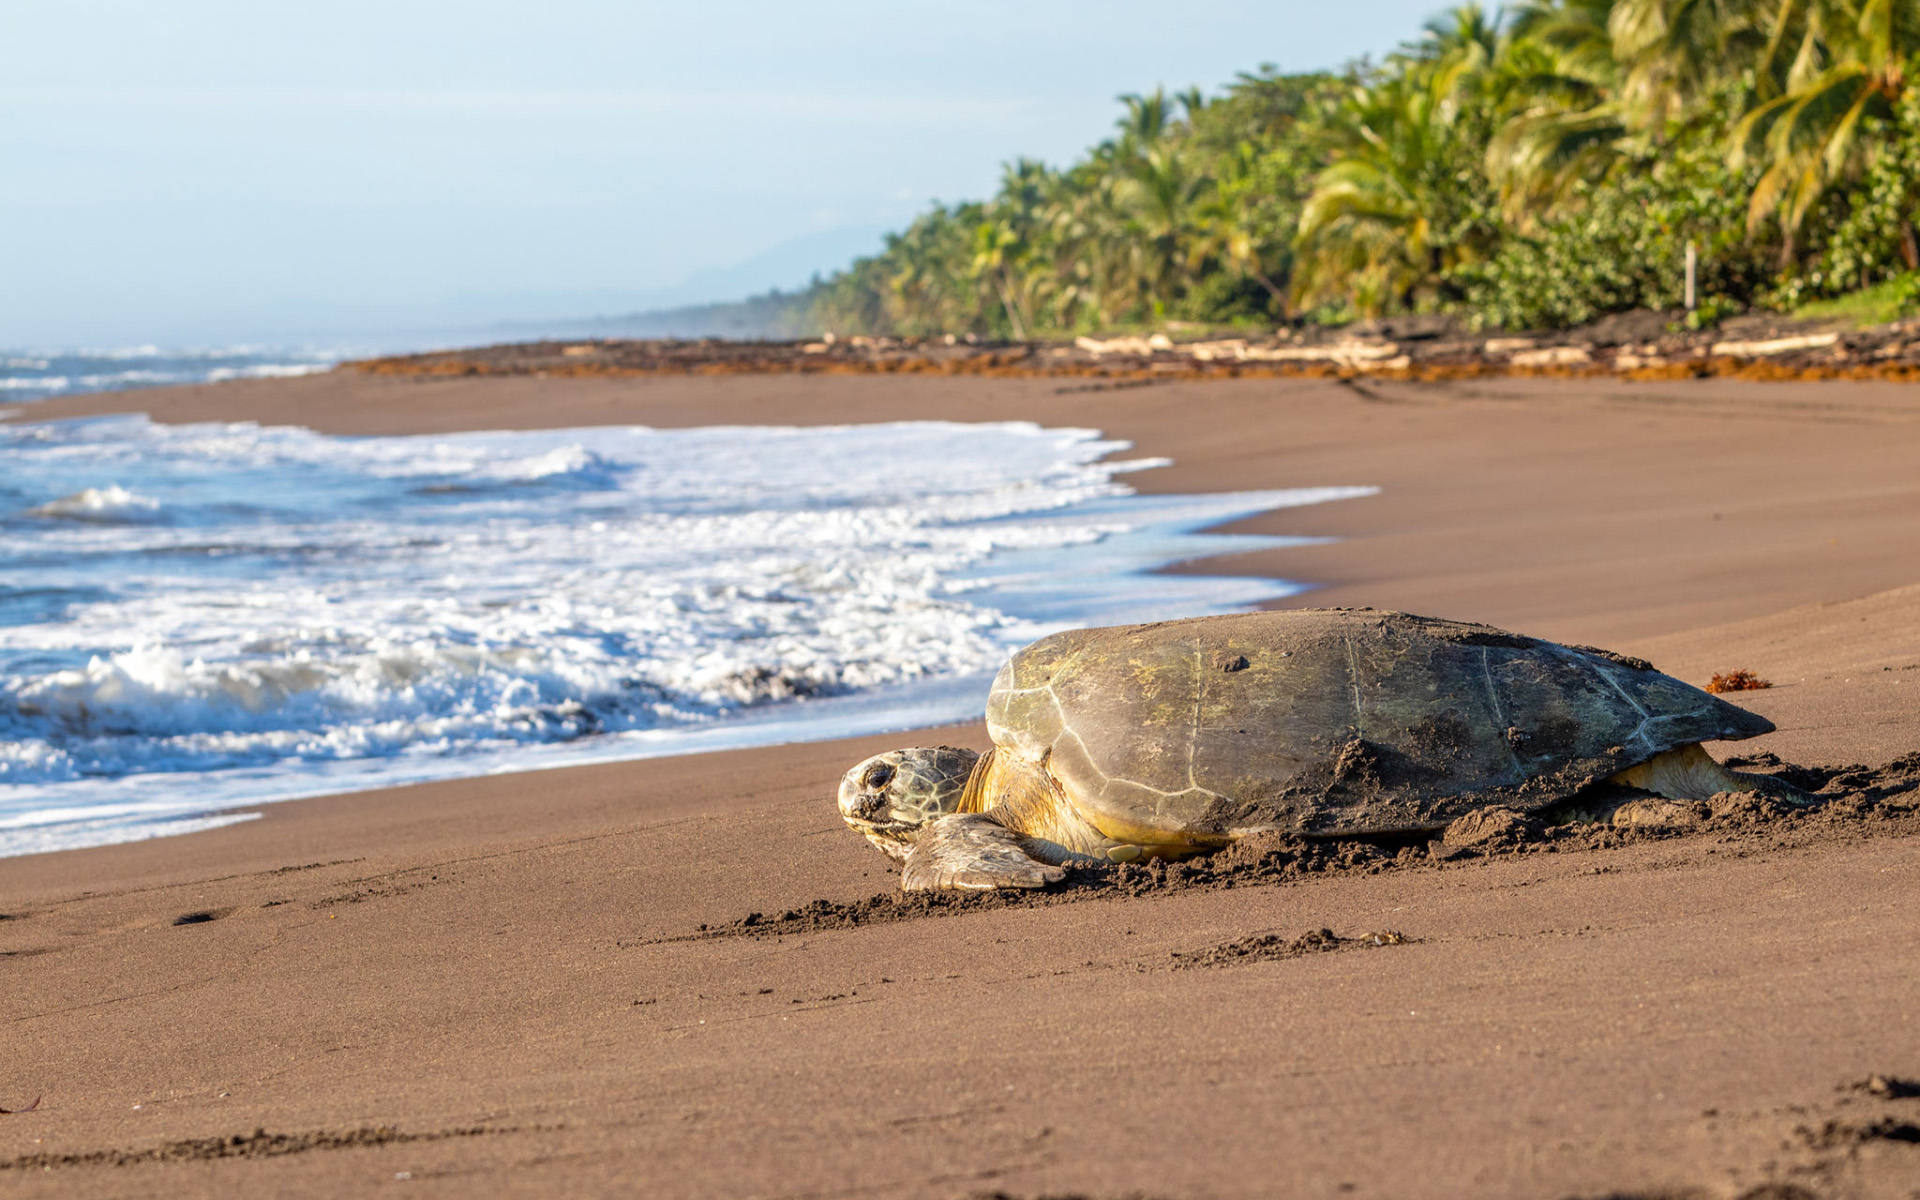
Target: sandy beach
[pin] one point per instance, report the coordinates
(543, 983)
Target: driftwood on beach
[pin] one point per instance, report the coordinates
(1644, 349)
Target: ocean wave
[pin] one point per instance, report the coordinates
(573, 464)
(242, 351)
(39, 374)
(267, 371)
(110, 503)
(315, 612)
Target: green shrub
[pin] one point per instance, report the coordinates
(1624, 246)
(1870, 235)
(1224, 298)
(1889, 301)
(1710, 311)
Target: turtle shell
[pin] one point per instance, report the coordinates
(1332, 721)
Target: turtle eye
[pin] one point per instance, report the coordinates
(878, 776)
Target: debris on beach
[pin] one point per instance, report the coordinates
(1742, 680)
(1645, 348)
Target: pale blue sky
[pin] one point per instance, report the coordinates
(212, 170)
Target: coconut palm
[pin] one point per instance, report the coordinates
(1225, 233)
(1010, 252)
(1457, 46)
(1147, 121)
(930, 287)
(1675, 52)
(1556, 87)
(1160, 192)
(1394, 210)
(1576, 33)
(1838, 63)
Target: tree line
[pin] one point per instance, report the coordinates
(1533, 168)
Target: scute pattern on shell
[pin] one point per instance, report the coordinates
(1332, 721)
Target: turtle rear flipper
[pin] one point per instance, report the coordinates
(969, 852)
(1690, 773)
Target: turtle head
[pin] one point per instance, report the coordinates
(891, 796)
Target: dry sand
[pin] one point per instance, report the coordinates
(497, 985)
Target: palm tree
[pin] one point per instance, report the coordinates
(1129, 228)
(1222, 232)
(1160, 192)
(1009, 244)
(1577, 34)
(1556, 85)
(1262, 144)
(929, 286)
(1458, 46)
(1836, 63)
(1674, 52)
(1076, 217)
(1392, 213)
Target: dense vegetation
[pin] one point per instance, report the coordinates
(1534, 168)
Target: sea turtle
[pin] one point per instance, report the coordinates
(1176, 738)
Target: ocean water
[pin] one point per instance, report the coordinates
(29, 375)
(195, 618)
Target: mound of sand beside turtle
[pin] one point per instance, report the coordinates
(687, 977)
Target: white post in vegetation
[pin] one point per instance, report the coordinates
(1693, 261)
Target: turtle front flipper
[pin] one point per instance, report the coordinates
(973, 852)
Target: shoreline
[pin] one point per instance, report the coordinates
(509, 973)
(346, 402)
(1714, 489)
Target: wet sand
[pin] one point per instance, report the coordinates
(499, 985)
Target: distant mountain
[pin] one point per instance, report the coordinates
(787, 267)
(751, 299)
(771, 315)
(709, 303)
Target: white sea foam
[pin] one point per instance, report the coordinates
(39, 374)
(112, 502)
(266, 371)
(248, 613)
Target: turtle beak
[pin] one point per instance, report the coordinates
(868, 808)
(865, 799)
(874, 814)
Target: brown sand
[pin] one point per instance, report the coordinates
(497, 985)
